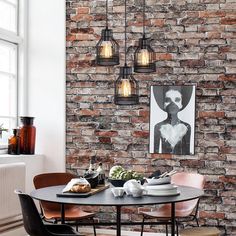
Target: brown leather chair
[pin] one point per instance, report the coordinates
(52, 211)
(184, 211)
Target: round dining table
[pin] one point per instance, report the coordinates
(106, 198)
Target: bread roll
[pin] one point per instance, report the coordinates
(81, 188)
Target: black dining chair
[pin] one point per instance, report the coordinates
(33, 223)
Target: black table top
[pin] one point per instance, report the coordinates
(106, 198)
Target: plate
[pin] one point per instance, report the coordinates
(160, 194)
(163, 187)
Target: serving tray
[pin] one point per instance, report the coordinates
(93, 191)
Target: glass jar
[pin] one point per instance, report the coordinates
(101, 172)
(14, 143)
(27, 135)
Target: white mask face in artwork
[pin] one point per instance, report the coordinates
(173, 96)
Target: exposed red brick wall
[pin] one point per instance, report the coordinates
(195, 42)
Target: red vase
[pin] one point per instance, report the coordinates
(27, 135)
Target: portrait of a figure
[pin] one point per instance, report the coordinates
(172, 119)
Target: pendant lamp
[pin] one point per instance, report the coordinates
(144, 61)
(126, 87)
(107, 49)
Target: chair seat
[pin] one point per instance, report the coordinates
(166, 213)
(73, 213)
(203, 231)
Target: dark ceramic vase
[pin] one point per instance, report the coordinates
(27, 135)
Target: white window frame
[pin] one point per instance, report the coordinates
(20, 40)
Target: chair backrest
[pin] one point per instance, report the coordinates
(191, 180)
(52, 179)
(31, 218)
(188, 179)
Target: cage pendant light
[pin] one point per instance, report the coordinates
(144, 61)
(126, 87)
(107, 49)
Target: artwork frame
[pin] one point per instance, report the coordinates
(172, 119)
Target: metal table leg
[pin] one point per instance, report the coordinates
(172, 219)
(62, 213)
(118, 220)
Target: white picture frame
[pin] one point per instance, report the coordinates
(172, 119)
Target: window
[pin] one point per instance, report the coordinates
(10, 45)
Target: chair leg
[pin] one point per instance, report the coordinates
(166, 229)
(94, 228)
(76, 227)
(197, 222)
(142, 226)
(177, 228)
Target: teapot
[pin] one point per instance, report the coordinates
(132, 186)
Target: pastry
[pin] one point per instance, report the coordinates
(81, 188)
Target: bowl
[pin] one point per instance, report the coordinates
(120, 182)
(153, 181)
(92, 179)
(117, 182)
(118, 191)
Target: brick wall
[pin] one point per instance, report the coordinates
(195, 42)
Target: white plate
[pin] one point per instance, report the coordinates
(163, 187)
(163, 194)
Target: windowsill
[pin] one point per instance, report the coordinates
(20, 156)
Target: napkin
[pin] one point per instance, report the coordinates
(74, 182)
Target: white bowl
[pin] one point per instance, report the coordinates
(165, 180)
(118, 191)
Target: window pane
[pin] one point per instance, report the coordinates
(7, 95)
(8, 53)
(8, 15)
(12, 1)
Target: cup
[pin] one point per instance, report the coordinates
(118, 191)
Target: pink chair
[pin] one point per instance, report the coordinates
(184, 211)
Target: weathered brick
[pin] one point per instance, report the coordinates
(208, 114)
(192, 63)
(106, 133)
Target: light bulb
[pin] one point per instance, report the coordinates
(125, 88)
(106, 49)
(143, 57)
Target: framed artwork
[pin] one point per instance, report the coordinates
(172, 119)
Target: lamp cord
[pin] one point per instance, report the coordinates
(125, 35)
(144, 17)
(106, 13)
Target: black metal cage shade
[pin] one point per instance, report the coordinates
(144, 57)
(107, 49)
(126, 88)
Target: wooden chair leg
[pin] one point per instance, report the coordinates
(142, 226)
(166, 229)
